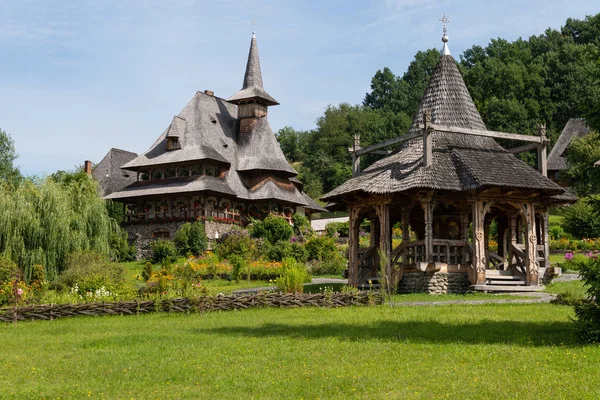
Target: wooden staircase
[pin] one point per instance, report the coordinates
(509, 281)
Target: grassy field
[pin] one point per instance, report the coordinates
(486, 351)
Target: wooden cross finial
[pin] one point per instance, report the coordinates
(444, 20)
(253, 26)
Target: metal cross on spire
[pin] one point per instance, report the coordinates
(444, 20)
(253, 26)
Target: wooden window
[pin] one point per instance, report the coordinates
(173, 143)
(161, 234)
(158, 174)
(196, 170)
(144, 176)
(211, 170)
(169, 172)
(183, 172)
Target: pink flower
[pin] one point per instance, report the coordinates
(569, 256)
(19, 292)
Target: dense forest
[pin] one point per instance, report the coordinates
(515, 85)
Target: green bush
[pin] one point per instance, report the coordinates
(120, 250)
(8, 270)
(147, 271)
(273, 228)
(320, 247)
(294, 277)
(302, 226)
(236, 242)
(581, 220)
(332, 265)
(298, 252)
(588, 312)
(90, 275)
(191, 238)
(337, 228)
(163, 250)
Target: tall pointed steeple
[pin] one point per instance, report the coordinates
(252, 88)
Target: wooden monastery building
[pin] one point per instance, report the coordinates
(218, 161)
(445, 183)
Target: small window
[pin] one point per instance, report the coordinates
(173, 143)
(183, 172)
(170, 173)
(157, 174)
(161, 234)
(144, 176)
(211, 170)
(196, 170)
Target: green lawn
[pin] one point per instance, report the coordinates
(575, 288)
(484, 351)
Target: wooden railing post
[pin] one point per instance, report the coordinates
(531, 264)
(354, 225)
(542, 152)
(427, 205)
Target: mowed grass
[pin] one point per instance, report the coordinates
(460, 351)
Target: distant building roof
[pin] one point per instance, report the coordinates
(109, 174)
(575, 128)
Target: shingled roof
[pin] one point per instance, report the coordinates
(207, 130)
(460, 162)
(109, 174)
(575, 128)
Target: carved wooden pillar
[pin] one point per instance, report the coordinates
(531, 263)
(427, 205)
(478, 261)
(545, 238)
(383, 212)
(486, 240)
(354, 225)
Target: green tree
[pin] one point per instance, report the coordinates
(581, 156)
(8, 154)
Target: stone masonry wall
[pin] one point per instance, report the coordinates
(434, 283)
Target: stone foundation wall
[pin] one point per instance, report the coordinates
(434, 283)
(142, 236)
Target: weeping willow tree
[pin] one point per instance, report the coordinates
(42, 223)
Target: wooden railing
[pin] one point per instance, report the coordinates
(448, 251)
(519, 255)
(414, 252)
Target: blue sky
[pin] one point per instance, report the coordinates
(78, 77)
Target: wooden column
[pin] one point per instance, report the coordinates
(385, 251)
(405, 233)
(427, 142)
(545, 238)
(512, 232)
(531, 263)
(464, 232)
(478, 261)
(542, 152)
(427, 205)
(354, 225)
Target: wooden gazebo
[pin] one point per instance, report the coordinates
(445, 183)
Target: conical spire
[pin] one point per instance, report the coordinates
(448, 98)
(253, 83)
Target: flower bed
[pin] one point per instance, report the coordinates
(565, 244)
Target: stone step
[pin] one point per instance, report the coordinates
(504, 277)
(501, 288)
(497, 272)
(505, 282)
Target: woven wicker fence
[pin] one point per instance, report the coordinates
(200, 304)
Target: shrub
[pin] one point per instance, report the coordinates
(320, 247)
(8, 270)
(298, 252)
(238, 243)
(120, 250)
(191, 238)
(163, 250)
(333, 265)
(581, 220)
(302, 226)
(337, 228)
(273, 228)
(294, 277)
(147, 271)
(91, 275)
(588, 312)
(281, 250)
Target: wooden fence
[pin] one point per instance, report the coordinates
(200, 304)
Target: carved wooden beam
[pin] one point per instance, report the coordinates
(386, 143)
